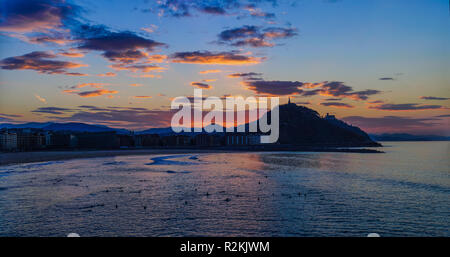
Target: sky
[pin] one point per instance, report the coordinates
(382, 65)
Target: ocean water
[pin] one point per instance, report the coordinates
(404, 192)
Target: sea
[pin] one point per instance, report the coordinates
(404, 192)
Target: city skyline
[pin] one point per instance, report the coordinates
(119, 64)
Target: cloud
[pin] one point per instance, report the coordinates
(93, 85)
(327, 88)
(214, 58)
(396, 124)
(76, 74)
(136, 85)
(107, 74)
(254, 36)
(127, 117)
(115, 43)
(42, 62)
(405, 107)
(256, 12)
(24, 16)
(333, 99)
(143, 96)
(185, 8)
(150, 29)
(127, 50)
(209, 71)
(201, 85)
(434, 98)
(71, 54)
(337, 105)
(53, 110)
(275, 88)
(41, 99)
(376, 102)
(387, 78)
(244, 75)
(138, 67)
(98, 92)
(9, 117)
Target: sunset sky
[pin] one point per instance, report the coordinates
(382, 65)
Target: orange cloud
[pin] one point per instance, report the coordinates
(136, 85)
(94, 85)
(157, 58)
(41, 99)
(98, 92)
(217, 58)
(209, 71)
(143, 96)
(108, 74)
(72, 54)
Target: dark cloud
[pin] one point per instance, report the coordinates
(245, 75)
(218, 58)
(405, 107)
(9, 117)
(118, 42)
(126, 117)
(393, 123)
(24, 16)
(185, 8)
(434, 98)
(333, 99)
(443, 116)
(339, 89)
(376, 102)
(42, 62)
(201, 85)
(337, 105)
(333, 88)
(254, 36)
(53, 110)
(276, 87)
(387, 78)
(122, 48)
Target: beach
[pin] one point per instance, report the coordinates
(8, 158)
(42, 156)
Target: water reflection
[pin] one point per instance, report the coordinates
(404, 192)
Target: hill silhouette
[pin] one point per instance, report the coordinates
(300, 125)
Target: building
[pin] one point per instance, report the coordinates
(146, 140)
(58, 140)
(236, 139)
(30, 139)
(125, 141)
(98, 140)
(176, 140)
(8, 141)
(206, 139)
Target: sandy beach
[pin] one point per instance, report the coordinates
(42, 156)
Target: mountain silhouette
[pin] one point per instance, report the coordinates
(300, 125)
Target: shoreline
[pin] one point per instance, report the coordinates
(10, 158)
